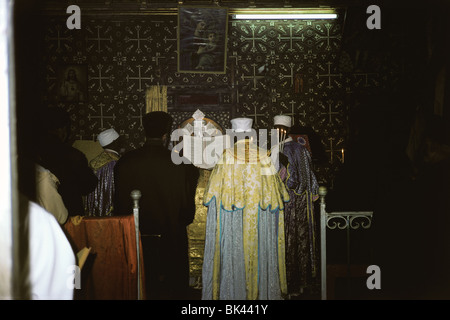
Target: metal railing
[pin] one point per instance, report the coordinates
(337, 220)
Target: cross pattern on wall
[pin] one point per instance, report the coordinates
(101, 117)
(127, 54)
(134, 39)
(99, 77)
(95, 40)
(56, 41)
(286, 57)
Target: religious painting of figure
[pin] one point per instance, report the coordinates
(72, 83)
(202, 39)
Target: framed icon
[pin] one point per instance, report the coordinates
(71, 83)
(202, 39)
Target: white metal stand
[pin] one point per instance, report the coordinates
(340, 220)
(136, 195)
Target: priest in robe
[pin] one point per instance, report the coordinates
(300, 223)
(99, 202)
(244, 255)
(166, 208)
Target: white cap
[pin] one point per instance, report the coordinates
(242, 124)
(282, 120)
(107, 136)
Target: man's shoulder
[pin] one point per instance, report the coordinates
(102, 159)
(131, 157)
(294, 145)
(160, 157)
(72, 154)
(132, 154)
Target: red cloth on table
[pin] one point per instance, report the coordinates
(110, 273)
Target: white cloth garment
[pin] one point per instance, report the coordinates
(47, 195)
(51, 259)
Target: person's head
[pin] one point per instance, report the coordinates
(71, 74)
(201, 25)
(283, 122)
(110, 139)
(56, 121)
(241, 128)
(212, 36)
(157, 125)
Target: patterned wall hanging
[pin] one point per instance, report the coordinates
(294, 67)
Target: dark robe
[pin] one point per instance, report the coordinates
(166, 207)
(100, 202)
(301, 227)
(71, 167)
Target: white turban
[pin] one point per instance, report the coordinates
(283, 121)
(107, 136)
(242, 124)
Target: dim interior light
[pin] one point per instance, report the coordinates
(284, 13)
(285, 16)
